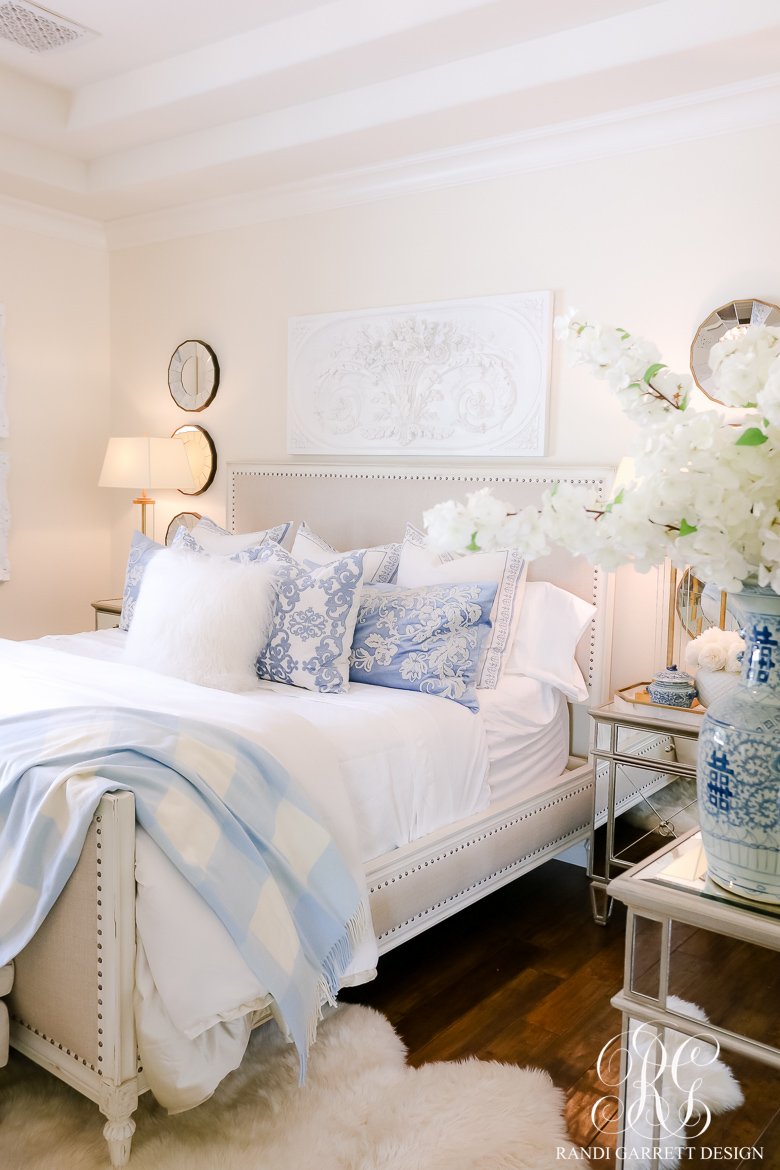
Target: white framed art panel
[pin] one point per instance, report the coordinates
(451, 378)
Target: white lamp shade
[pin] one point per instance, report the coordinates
(146, 463)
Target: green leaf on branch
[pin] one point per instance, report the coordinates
(617, 500)
(651, 372)
(753, 437)
(554, 488)
(686, 529)
(473, 547)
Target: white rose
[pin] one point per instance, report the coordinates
(733, 664)
(692, 653)
(712, 656)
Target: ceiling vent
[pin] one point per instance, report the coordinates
(37, 30)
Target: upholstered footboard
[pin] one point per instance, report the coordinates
(71, 1004)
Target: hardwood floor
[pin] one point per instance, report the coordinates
(525, 976)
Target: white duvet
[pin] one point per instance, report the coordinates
(382, 767)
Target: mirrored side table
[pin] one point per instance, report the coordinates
(670, 888)
(636, 753)
(107, 613)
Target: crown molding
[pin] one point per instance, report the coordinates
(726, 109)
(49, 221)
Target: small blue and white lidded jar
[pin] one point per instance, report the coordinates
(672, 688)
(738, 761)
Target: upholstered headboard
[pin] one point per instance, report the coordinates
(352, 507)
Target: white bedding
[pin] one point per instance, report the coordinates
(409, 764)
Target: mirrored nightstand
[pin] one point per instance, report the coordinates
(107, 613)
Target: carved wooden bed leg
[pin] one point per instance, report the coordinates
(118, 1104)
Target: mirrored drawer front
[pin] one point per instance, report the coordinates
(630, 741)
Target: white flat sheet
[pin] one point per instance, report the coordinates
(411, 763)
(527, 727)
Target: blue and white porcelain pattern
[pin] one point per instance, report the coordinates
(142, 549)
(426, 639)
(738, 762)
(672, 688)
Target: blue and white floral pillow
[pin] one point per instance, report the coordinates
(426, 639)
(380, 563)
(315, 619)
(142, 549)
(315, 616)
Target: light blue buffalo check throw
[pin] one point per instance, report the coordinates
(221, 808)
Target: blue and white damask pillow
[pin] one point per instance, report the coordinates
(380, 563)
(142, 549)
(314, 623)
(426, 639)
(315, 616)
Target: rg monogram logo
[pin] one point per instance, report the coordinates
(660, 1088)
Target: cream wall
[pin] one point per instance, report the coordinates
(651, 241)
(56, 341)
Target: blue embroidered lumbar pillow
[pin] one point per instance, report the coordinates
(427, 639)
(142, 549)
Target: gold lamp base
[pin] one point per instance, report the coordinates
(144, 501)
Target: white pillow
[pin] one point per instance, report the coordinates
(552, 621)
(419, 566)
(200, 618)
(380, 563)
(221, 543)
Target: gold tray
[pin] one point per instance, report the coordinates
(637, 694)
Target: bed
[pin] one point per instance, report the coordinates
(445, 838)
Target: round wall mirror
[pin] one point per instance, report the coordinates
(186, 519)
(732, 319)
(202, 455)
(700, 606)
(193, 375)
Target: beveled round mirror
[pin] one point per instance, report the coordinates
(202, 455)
(193, 375)
(732, 319)
(700, 606)
(187, 520)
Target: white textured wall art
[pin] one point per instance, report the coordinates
(455, 378)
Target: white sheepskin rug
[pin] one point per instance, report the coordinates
(361, 1108)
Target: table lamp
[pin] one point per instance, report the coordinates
(146, 463)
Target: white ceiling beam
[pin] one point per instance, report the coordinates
(31, 107)
(319, 32)
(655, 31)
(27, 161)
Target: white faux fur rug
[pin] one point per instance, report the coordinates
(362, 1108)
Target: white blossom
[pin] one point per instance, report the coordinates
(705, 493)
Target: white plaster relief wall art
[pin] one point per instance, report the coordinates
(4, 512)
(454, 378)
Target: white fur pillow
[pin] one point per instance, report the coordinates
(203, 619)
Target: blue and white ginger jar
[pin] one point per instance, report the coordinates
(738, 761)
(672, 688)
